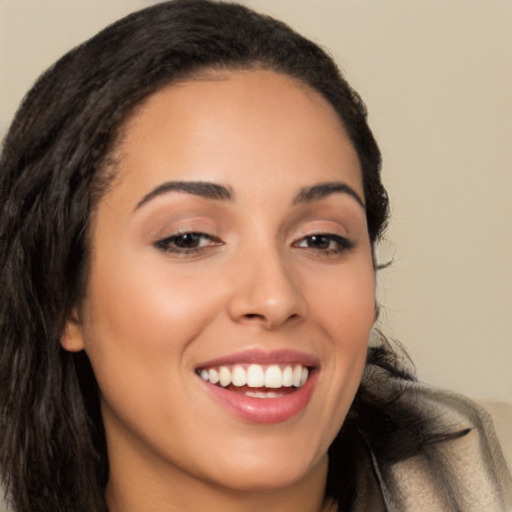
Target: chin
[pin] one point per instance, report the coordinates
(262, 471)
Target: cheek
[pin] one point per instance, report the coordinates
(140, 304)
(138, 326)
(138, 323)
(345, 308)
(346, 301)
(353, 318)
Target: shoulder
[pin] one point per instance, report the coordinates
(465, 471)
(430, 449)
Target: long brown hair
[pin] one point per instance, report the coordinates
(52, 173)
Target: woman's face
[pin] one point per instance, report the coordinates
(233, 245)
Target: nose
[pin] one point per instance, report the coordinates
(266, 292)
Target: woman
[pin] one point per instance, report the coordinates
(190, 202)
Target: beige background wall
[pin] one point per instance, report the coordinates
(437, 78)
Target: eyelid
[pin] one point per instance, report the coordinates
(320, 225)
(344, 243)
(169, 245)
(169, 221)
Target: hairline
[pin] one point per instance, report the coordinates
(109, 172)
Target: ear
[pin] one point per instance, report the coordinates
(72, 336)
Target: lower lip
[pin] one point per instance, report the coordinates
(264, 410)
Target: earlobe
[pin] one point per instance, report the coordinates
(72, 337)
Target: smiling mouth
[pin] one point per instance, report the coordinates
(256, 380)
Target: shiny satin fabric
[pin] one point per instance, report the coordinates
(465, 472)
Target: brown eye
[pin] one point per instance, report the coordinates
(319, 242)
(325, 242)
(187, 242)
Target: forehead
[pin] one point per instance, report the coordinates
(258, 123)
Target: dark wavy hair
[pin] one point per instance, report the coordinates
(53, 171)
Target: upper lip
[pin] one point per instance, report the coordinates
(263, 357)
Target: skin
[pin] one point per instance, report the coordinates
(151, 316)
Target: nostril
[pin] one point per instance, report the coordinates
(260, 317)
(253, 315)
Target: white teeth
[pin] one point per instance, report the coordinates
(239, 376)
(288, 377)
(256, 394)
(273, 377)
(213, 375)
(261, 394)
(257, 376)
(297, 376)
(304, 376)
(225, 376)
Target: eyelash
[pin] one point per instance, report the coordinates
(171, 244)
(342, 244)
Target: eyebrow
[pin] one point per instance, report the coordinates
(216, 191)
(197, 188)
(326, 189)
